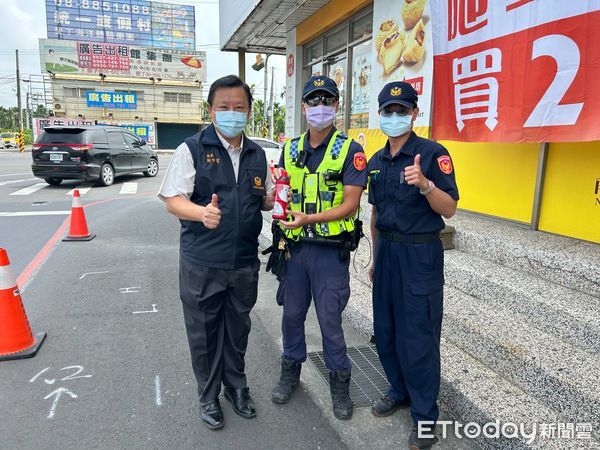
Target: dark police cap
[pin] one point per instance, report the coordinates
(399, 92)
(320, 83)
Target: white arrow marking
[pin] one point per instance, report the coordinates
(57, 393)
(50, 381)
(143, 312)
(91, 273)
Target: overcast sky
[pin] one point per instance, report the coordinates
(24, 22)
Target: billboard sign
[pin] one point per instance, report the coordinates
(114, 100)
(402, 50)
(137, 22)
(517, 70)
(93, 58)
(39, 123)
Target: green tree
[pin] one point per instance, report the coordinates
(40, 111)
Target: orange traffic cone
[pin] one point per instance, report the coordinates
(78, 230)
(16, 340)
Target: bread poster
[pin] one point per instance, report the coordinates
(402, 50)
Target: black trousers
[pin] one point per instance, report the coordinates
(216, 308)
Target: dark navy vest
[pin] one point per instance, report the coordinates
(234, 243)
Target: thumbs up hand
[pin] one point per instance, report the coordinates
(414, 176)
(212, 214)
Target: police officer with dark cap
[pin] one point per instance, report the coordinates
(411, 187)
(217, 184)
(327, 176)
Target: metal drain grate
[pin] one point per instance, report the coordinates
(368, 378)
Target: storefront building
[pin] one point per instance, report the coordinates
(546, 177)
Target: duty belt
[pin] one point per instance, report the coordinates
(409, 238)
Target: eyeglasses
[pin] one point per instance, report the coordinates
(403, 111)
(320, 100)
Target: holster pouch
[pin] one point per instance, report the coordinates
(279, 253)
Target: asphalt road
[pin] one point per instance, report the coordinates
(114, 371)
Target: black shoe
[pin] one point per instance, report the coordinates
(288, 380)
(385, 406)
(241, 401)
(339, 385)
(212, 415)
(422, 443)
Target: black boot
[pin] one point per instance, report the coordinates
(425, 442)
(339, 385)
(288, 380)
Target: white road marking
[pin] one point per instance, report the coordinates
(144, 312)
(130, 290)
(82, 191)
(57, 393)
(38, 374)
(31, 189)
(34, 213)
(4, 183)
(157, 396)
(91, 273)
(129, 188)
(15, 174)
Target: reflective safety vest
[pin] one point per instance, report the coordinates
(319, 191)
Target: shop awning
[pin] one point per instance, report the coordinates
(261, 26)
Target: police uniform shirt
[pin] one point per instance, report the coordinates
(353, 173)
(400, 206)
(181, 173)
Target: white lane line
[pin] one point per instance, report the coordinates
(157, 396)
(82, 191)
(31, 189)
(15, 174)
(4, 183)
(34, 213)
(129, 188)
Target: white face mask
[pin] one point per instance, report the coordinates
(396, 124)
(320, 116)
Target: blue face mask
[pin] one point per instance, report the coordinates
(395, 125)
(231, 123)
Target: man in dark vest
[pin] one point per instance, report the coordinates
(216, 185)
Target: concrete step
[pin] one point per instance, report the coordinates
(568, 262)
(471, 392)
(570, 315)
(558, 374)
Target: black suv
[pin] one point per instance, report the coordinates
(90, 153)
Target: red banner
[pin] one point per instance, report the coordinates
(517, 71)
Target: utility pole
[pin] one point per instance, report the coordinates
(264, 121)
(19, 115)
(271, 106)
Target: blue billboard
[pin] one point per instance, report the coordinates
(119, 100)
(137, 22)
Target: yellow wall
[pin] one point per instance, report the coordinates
(498, 179)
(570, 205)
(495, 179)
(328, 16)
